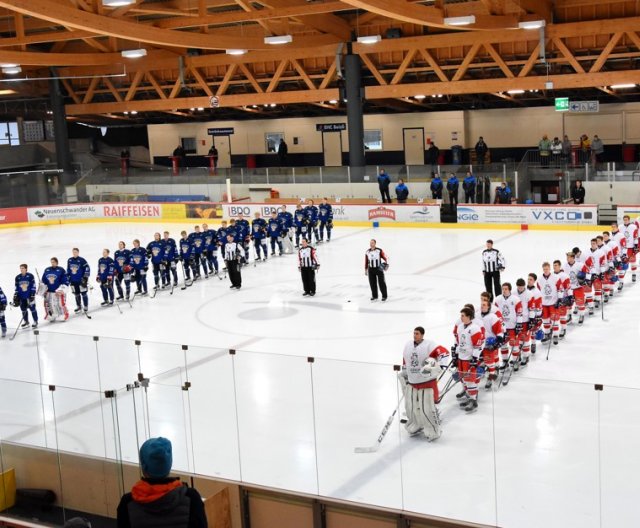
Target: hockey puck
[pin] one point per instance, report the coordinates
(403, 421)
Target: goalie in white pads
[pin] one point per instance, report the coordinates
(53, 288)
(422, 363)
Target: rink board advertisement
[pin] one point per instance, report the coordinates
(414, 213)
(15, 215)
(528, 214)
(632, 211)
(89, 211)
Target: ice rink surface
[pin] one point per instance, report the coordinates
(547, 449)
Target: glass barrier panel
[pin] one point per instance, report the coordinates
(335, 175)
(546, 449)
(58, 351)
(453, 476)
(275, 421)
(619, 417)
(23, 412)
(352, 403)
(20, 356)
(212, 413)
(130, 422)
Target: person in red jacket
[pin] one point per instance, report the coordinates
(158, 499)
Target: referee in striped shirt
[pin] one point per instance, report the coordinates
(492, 264)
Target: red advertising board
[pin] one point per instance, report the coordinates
(14, 215)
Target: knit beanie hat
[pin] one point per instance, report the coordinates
(156, 457)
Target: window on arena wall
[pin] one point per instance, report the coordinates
(9, 134)
(272, 140)
(189, 144)
(373, 139)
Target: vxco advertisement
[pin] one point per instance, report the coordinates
(528, 214)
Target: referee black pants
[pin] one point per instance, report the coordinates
(233, 269)
(376, 277)
(492, 277)
(308, 280)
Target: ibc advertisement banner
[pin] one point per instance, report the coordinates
(528, 214)
(416, 213)
(88, 211)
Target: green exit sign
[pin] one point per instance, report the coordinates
(562, 104)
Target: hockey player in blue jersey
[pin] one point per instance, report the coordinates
(139, 266)
(301, 223)
(244, 235)
(186, 255)
(155, 253)
(106, 269)
(3, 307)
(210, 248)
(122, 263)
(312, 216)
(259, 235)
(170, 259)
(274, 232)
(197, 243)
(79, 273)
(325, 216)
(286, 222)
(25, 296)
(56, 284)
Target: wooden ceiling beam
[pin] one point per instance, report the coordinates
(250, 77)
(328, 76)
(152, 80)
(231, 70)
(373, 69)
(604, 55)
(70, 91)
(276, 76)
(326, 23)
(562, 48)
(305, 77)
(498, 60)
(434, 65)
(116, 94)
(201, 80)
(92, 86)
(464, 66)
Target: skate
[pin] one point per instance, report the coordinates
(620, 286)
(575, 311)
(606, 299)
(581, 320)
(77, 310)
(120, 298)
(597, 304)
(590, 311)
(464, 403)
(471, 407)
(569, 318)
(127, 297)
(488, 384)
(545, 339)
(374, 298)
(4, 332)
(25, 324)
(555, 340)
(516, 365)
(35, 325)
(462, 395)
(563, 333)
(524, 362)
(633, 278)
(104, 303)
(384, 298)
(533, 348)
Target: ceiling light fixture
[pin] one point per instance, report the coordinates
(369, 39)
(333, 101)
(272, 105)
(419, 97)
(236, 51)
(133, 53)
(134, 112)
(622, 86)
(278, 39)
(200, 109)
(8, 92)
(532, 24)
(460, 21)
(11, 69)
(117, 3)
(515, 92)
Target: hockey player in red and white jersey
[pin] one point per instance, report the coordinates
(531, 311)
(493, 338)
(422, 362)
(578, 275)
(467, 352)
(609, 268)
(596, 263)
(565, 303)
(510, 307)
(630, 232)
(552, 295)
(620, 253)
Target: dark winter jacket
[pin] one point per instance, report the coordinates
(469, 185)
(383, 180)
(402, 191)
(577, 193)
(161, 503)
(436, 187)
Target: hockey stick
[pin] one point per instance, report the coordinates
(17, 328)
(504, 370)
(184, 272)
(448, 386)
(383, 433)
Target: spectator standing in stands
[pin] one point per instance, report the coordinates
(597, 151)
(158, 499)
(213, 152)
(436, 186)
(585, 149)
(566, 149)
(283, 150)
(433, 153)
(544, 148)
(481, 152)
(180, 153)
(453, 185)
(556, 151)
(577, 193)
(469, 187)
(124, 154)
(383, 184)
(402, 191)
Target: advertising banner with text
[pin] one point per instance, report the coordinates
(528, 214)
(632, 211)
(15, 215)
(88, 211)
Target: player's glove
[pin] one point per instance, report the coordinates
(568, 300)
(518, 328)
(625, 258)
(16, 300)
(145, 269)
(385, 266)
(32, 299)
(454, 353)
(84, 282)
(474, 362)
(126, 268)
(538, 321)
(330, 224)
(498, 342)
(97, 279)
(635, 248)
